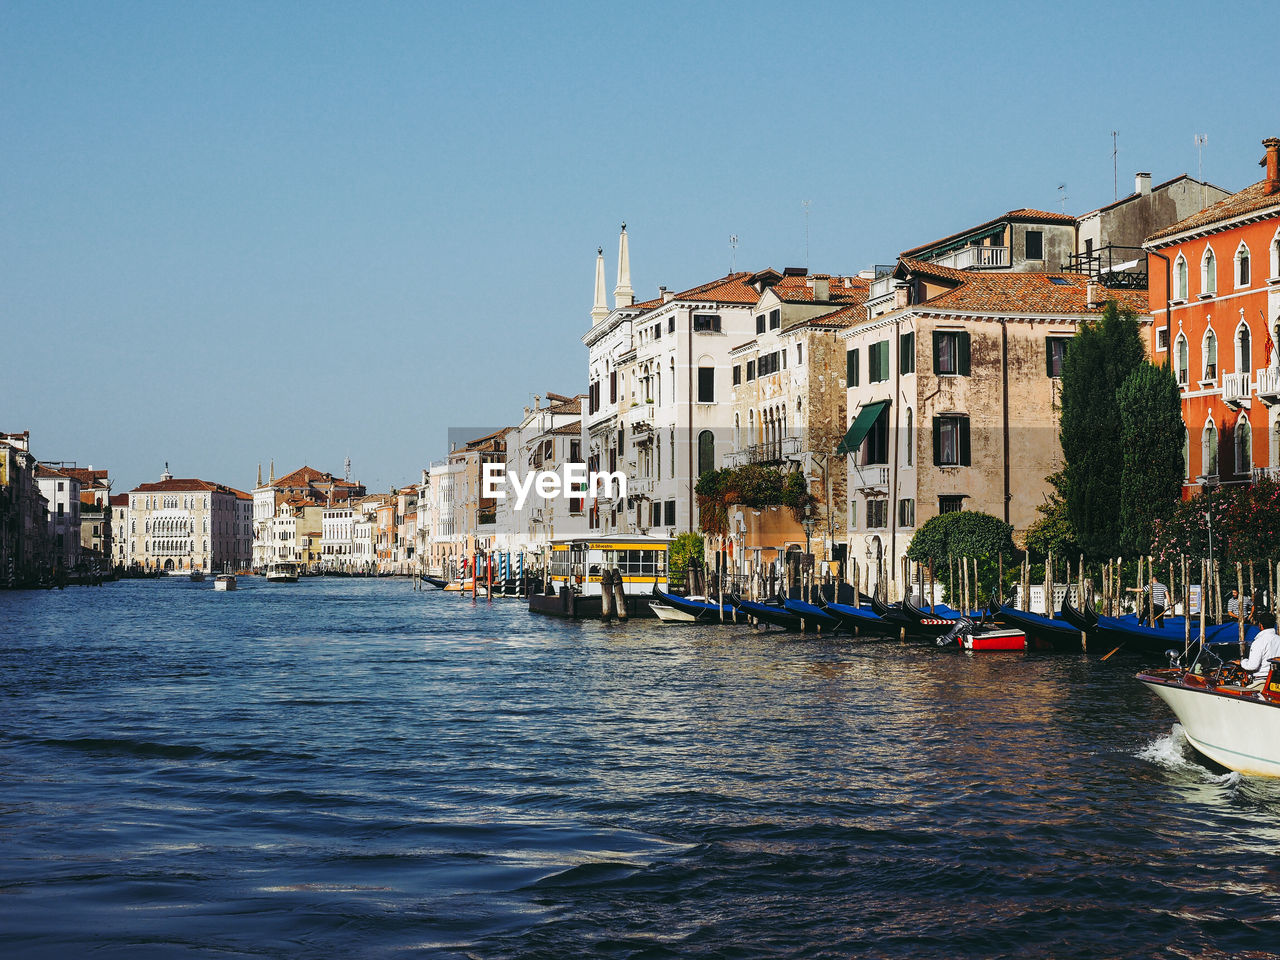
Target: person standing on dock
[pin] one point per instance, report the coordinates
(1236, 608)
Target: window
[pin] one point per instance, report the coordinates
(1162, 338)
(1180, 278)
(1244, 359)
(1208, 273)
(706, 323)
(575, 451)
(1186, 453)
(1210, 356)
(878, 362)
(877, 514)
(907, 353)
(671, 324)
(1055, 351)
(657, 331)
(906, 513)
(751, 370)
(613, 386)
(875, 448)
(1209, 450)
(1242, 266)
(911, 447)
(669, 508)
(706, 384)
(1181, 364)
(951, 352)
(951, 441)
(950, 504)
(1035, 244)
(1275, 257)
(706, 452)
(768, 364)
(737, 374)
(851, 368)
(775, 319)
(799, 354)
(760, 321)
(657, 513)
(1244, 447)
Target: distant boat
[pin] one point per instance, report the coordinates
(197, 576)
(224, 581)
(282, 573)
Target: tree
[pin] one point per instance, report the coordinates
(1101, 356)
(1052, 533)
(1151, 439)
(685, 551)
(966, 533)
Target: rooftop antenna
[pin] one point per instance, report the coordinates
(1115, 167)
(346, 469)
(806, 232)
(733, 253)
(1062, 196)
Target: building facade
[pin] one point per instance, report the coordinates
(181, 525)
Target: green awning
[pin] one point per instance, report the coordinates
(861, 426)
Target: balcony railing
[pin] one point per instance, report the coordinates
(1269, 385)
(1263, 473)
(975, 258)
(1236, 388)
(871, 476)
(774, 452)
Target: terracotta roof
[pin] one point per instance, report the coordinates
(1252, 199)
(567, 406)
(565, 430)
(43, 471)
(119, 499)
(734, 288)
(835, 320)
(796, 289)
(85, 476)
(911, 265)
(1037, 293)
(174, 484)
(1024, 215)
(302, 476)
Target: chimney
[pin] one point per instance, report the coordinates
(1092, 289)
(1272, 163)
(667, 295)
(1142, 184)
(821, 289)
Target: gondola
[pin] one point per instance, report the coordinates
(861, 619)
(770, 613)
(1056, 634)
(1135, 637)
(811, 616)
(438, 582)
(701, 610)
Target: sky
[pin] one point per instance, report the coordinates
(241, 232)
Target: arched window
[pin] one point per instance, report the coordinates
(1209, 450)
(1244, 358)
(1208, 273)
(1275, 256)
(1181, 365)
(1180, 278)
(1210, 351)
(706, 452)
(910, 439)
(1244, 447)
(1242, 265)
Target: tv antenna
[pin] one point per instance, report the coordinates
(806, 231)
(733, 253)
(346, 469)
(1062, 196)
(1201, 140)
(1115, 166)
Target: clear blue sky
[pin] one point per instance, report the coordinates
(235, 232)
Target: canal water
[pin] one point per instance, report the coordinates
(349, 768)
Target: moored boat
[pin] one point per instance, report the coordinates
(1045, 633)
(670, 614)
(860, 619)
(1222, 718)
(196, 576)
(771, 613)
(696, 608)
(224, 581)
(580, 568)
(282, 573)
(811, 617)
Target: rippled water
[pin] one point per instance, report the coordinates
(352, 769)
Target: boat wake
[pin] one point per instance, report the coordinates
(1173, 752)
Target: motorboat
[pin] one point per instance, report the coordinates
(697, 608)
(282, 573)
(196, 576)
(579, 568)
(224, 581)
(671, 614)
(970, 634)
(1222, 716)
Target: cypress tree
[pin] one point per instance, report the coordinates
(1151, 435)
(1101, 356)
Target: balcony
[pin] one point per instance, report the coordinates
(1236, 388)
(975, 258)
(1266, 473)
(1269, 386)
(870, 476)
(640, 415)
(775, 452)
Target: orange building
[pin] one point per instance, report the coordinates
(1215, 307)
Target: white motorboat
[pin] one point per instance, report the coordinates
(1232, 725)
(224, 581)
(282, 573)
(665, 612)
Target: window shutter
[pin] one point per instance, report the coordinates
(964, 441)
(963, 351)
(884, 361)
(937, 353)
(937, 432)
(1048, 357)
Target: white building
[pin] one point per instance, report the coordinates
(62, 491)
(189, 524)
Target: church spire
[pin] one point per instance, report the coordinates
(623, 295)
(259, 473)
(273, 471)
(601, 309)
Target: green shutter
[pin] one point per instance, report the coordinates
(937, 353)
(937, 430)
(907, 353)
(964, 441)
(963, 351)
(1048, 356)
(884, 361)
(851, 368)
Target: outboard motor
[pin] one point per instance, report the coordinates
(954, 637)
